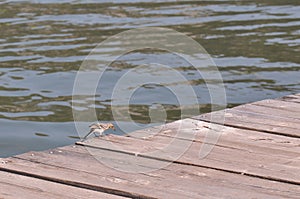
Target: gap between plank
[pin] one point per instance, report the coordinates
(289, 99)
(196, 165)
(248, 128)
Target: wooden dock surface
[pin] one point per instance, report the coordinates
(256, 156)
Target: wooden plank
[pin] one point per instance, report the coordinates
(259, 118)
(14, 186)
(240, 139)
(278, 108)
(272, 116)
(261, 114)
(241, 151)
(74, 165)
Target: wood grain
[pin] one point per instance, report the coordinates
(240, 151)
(73, 165)
(14, 186)
(261, 116)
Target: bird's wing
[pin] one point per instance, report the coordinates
(102, 126)
(95, 126)
(92, 124)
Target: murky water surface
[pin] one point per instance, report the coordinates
(255, 44)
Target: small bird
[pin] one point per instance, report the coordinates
(98, 129)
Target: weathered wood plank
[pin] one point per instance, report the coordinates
(242, 151)
(196, 130)
(14, 186)
(279, 108)
(284, 117)
(74, 165)
(274, 116)
(259, 118)
(261, 114)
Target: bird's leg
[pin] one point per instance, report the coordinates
(84, 138)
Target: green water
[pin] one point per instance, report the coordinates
(255, 45)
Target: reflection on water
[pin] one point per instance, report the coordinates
(255, 45)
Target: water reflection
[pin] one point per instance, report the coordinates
(43, 43)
